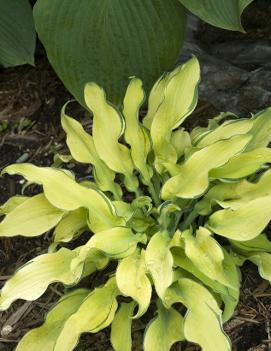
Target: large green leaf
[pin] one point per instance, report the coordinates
(220, 13)
(17, 33)
(110, 41)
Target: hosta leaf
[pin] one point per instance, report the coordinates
(263, 261)
(95, 313)
(251, 161)
(225, 131)
(202, 323)
(245, 222)
(132, 281)
(31, 281)
(116, 243)
(232, 195)
(179, 101)
(45, 337)
(261, 130)
(73, 224)
(17, 33)
(258, 244)
(82, 148)
(12, 203)
(106, 140)
(186, 184)
(100, 38)
(164, 330)
(121, 338)
(64, 193)
(206, 254)
(224, 13)
(135, 134)
(229, 295)
(180, 139)
(33, 217)
(159, 262)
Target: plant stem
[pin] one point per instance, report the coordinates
(190, 218)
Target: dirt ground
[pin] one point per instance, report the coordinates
(30, 131)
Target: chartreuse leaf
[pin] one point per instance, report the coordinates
(31, 281)
(45, 337)
(159, 262)
(258, 244)
(132, 281)
(227, 130)
(263, 261)
(95, 313)
(12, 203)
(121, 338)
(72, 225)
(261, 130)
(116, 155)
(64, 193)
(243, 223)
(17, 33)
(232, 195)
(32, 217)
(116, 243)
(135, 134)
(82, 148)
(229, 295)
(180, 98)
(251, 161)
(181, 140)
(186, 184)
(206, 254)
(224, 13)
(202, 323)
(164, 330)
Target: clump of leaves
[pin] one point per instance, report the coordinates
(198, 206)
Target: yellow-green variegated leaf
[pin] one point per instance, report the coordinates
(261, 130)
(66, 194)
(94, 261)
(108, 127)
(206, 254)
(118, 242)
(159, 262)
(44, 338)
(95, 313)
(243, 165)
(132, 281)
(135, 134)
(32, 217)
(179, 101)
(202, 323)
(263, 261)
(121, 338)
(31, 281)
(72, 225)
(82, 148)
(229, 295)
(232, 195)
(225, 131)
(243, 223)
(193, 177)
(258, 244)
(12, 203)
(164, 330)
(181, 140)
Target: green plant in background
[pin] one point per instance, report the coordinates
(109, 41)
(17, 33)
(187, 211)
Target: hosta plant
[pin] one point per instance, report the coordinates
(171, 215)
